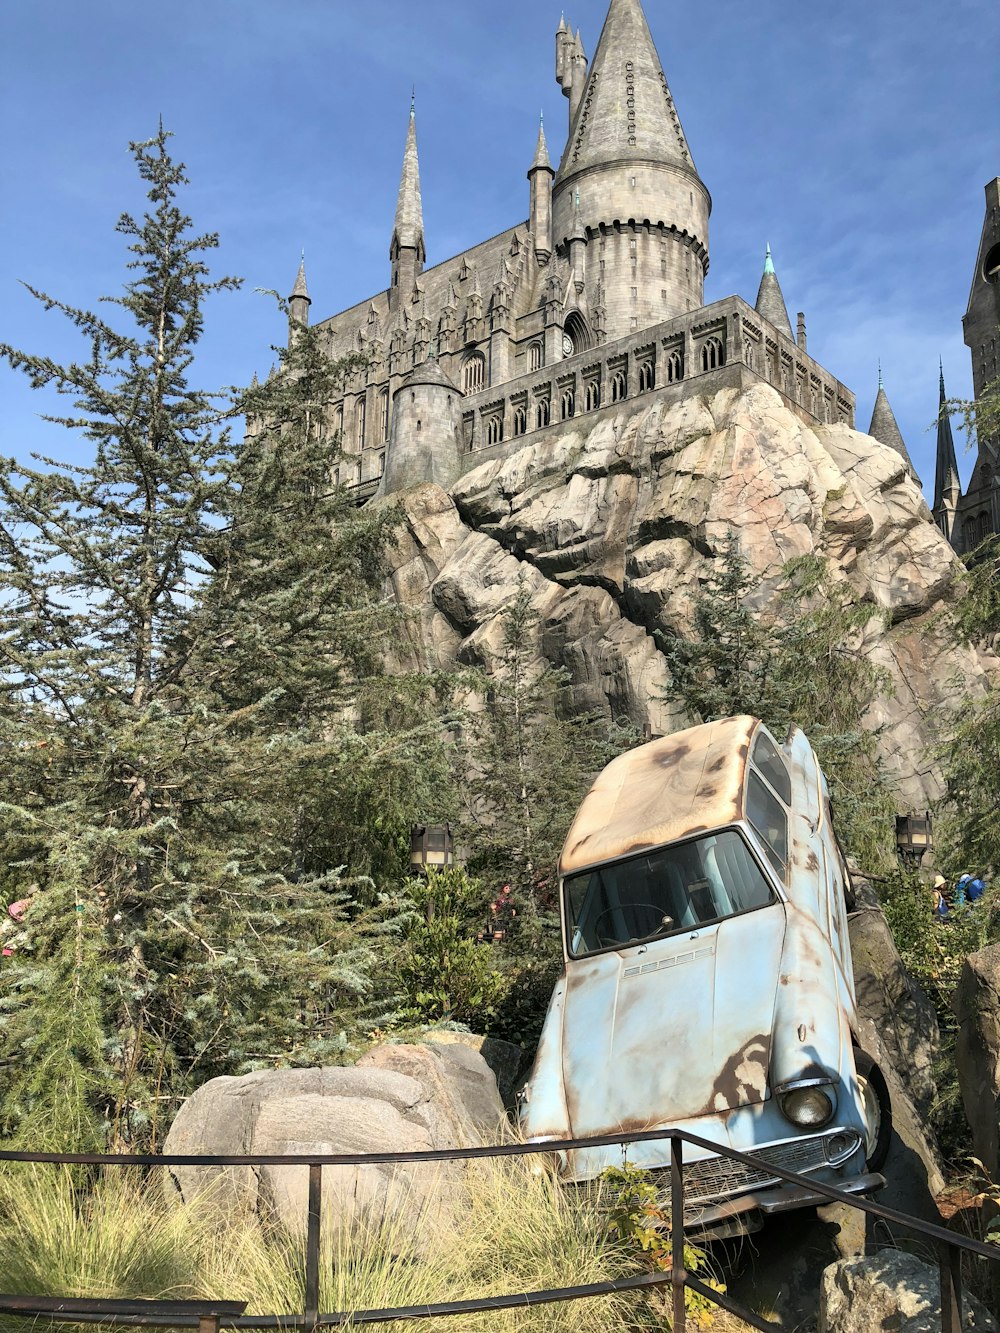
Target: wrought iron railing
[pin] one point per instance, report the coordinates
(208, 1316)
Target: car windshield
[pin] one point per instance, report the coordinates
(663, 892)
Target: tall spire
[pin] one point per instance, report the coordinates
(300, 300)
(884, 427)
(408, 232)
(946, 478)
(541, 150)
(627, 111)
(770, 302)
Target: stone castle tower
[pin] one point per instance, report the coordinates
(595, 298)
(967, 519)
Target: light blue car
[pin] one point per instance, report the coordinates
(708, 981)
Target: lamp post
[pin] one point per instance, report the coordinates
(431, 847)
(914, 837)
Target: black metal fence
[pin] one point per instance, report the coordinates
(209, 1316)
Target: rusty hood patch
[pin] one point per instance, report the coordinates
(662, 1033)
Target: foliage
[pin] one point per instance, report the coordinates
(207, 773)
(516, 1230)
(980, 417)
(639, 1222)
(793, 656)
(444, 974)
(532, 758)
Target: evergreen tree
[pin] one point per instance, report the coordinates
(799, 661)
(184, 640)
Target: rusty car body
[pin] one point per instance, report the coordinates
(708, 982)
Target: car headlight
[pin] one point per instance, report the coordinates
(809, 1108)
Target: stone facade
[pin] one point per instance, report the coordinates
(597, 297)
(968, 518)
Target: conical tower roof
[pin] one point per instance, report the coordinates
(770, 302)
(541, 152)
(408, 232)
(429, 372)
(884, 427)
(946, 466)
(627, 111)
(301, 289)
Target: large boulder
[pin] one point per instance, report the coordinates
(977, 1006)
(614, 522)
(891, 1290)
(397, 1099)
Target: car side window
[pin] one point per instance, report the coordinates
(767, 816)
(772, 766)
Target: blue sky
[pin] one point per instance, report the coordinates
(855, 138)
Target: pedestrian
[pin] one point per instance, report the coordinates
(940, 910)
(975, 889)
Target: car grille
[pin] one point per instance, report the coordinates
(717, 1177)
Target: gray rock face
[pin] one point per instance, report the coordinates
(977, 1006)
(397, 1099)
(614, 526)
(891, 1290)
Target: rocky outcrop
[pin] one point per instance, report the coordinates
(613, 523)
(891, 1290)
(396, 1099)
(977, 1006)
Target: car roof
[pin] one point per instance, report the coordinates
(661, 792)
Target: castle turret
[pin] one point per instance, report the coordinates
(300, 300)
(627, 179)
(407, 251)
(982, 319)
(947, 486)
(770, 302)
(541, 175)
(425, 441)
(884, 427)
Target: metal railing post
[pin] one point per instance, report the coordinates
(950, 1268)
(313, 1234)
(678, 1276)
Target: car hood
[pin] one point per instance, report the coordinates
(666, 1031)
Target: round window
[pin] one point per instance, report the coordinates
(568, 348)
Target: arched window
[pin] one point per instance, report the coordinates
(520, 421)
(357, 473)
(675, 367)
(647, 377)
(593, 397)
(619, 386)
(383, 415)
(474, 373)
(748, 352)
(494, 430)
(338, 419)
(712, 354)
(381, 463)
(535, 356)
(568, 404)
(359, 422)
(542, 413)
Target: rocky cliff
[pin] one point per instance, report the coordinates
(614, 519)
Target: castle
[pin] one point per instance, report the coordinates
(967, 519)
(595, 298)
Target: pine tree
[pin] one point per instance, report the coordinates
(797, 661)
(180, 666)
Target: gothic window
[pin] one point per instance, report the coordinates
(568, 404)
(647, 377)
(535, 356)
(593, 398)
(494, 430)
(474, 373)
(542, 413)
(336, 476)
(748, 352)
(357, 473)
(619, 386)
(338, 419)
(359, 422)
(381, 463)
(976, 530)
(675, 367)
(383, 414)
(712, 354)
(520, 421)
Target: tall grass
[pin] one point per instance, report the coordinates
(515, 1230)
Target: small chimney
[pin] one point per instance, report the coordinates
(800, 336)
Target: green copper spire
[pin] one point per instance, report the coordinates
(768, 261)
